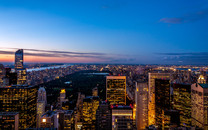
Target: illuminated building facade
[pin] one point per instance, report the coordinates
(2, 74)
(199, 101)
(19, 59)
(66, 119)
(19, 69)
(182, 102)
(78, 111)
(103, 116)
(141, 99)
(116, 89)
(122, 117)
(151, 98)
(40, 111)
(41, 103)
(49, 120)
(162, 100)
(90, 106)
(201, 79)
(22, 99)
(42, 95)
(21, 76)
(9, 120)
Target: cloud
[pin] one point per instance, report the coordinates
(66, 52)
(52, 53)
(186, 18)
(185, 58)
(171, 20)
(102, 57)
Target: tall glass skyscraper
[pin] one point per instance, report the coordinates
(19, 59)
(162, 100)
(182, 102)
(19, 69)
(141, 99)
(151, 104)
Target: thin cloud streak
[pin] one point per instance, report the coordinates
(185, 58)
(108, 58)
(186, 18)
(68, 52)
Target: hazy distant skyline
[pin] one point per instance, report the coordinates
(105, 31)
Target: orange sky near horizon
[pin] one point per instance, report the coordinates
(40, 59)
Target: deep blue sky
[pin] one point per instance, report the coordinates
(124, 31)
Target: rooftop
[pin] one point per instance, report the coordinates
(48, 114)
(8, 113)
(204, 85)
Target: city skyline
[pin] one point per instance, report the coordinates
(104, 31)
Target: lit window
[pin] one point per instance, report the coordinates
(44, 120)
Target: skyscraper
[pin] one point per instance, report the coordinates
(151, 98)
(49, 120)
(90, 106)
(116, 89)
(19, 59)
(42, 95)
(162, 100)
(19, 68)
(21, 76)
(2, 74)
(141, 99)
(41, 103)
(199, 108)
(21, 99)
(122, 117)
(103, 116)
(182, 102)
(66, 119)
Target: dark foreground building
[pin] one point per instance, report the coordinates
(21, 99)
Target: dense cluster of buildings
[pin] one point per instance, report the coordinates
(162, 97)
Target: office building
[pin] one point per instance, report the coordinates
(199, 108)
(66, 119)
(40, 111)
(2, 74)
(103, 116)
(90, 106)
(49, 120)
(122, 117)
(78, 111)
(19, 59)
(151, 98)
(41, 103)
(42, 95)
(21, 99)
(9, 120)
(21, 76)
(19, 68)
(141, 100)
(182, 102)
(116, 90)
(162, 100)
(62, 99)
(171, 119)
